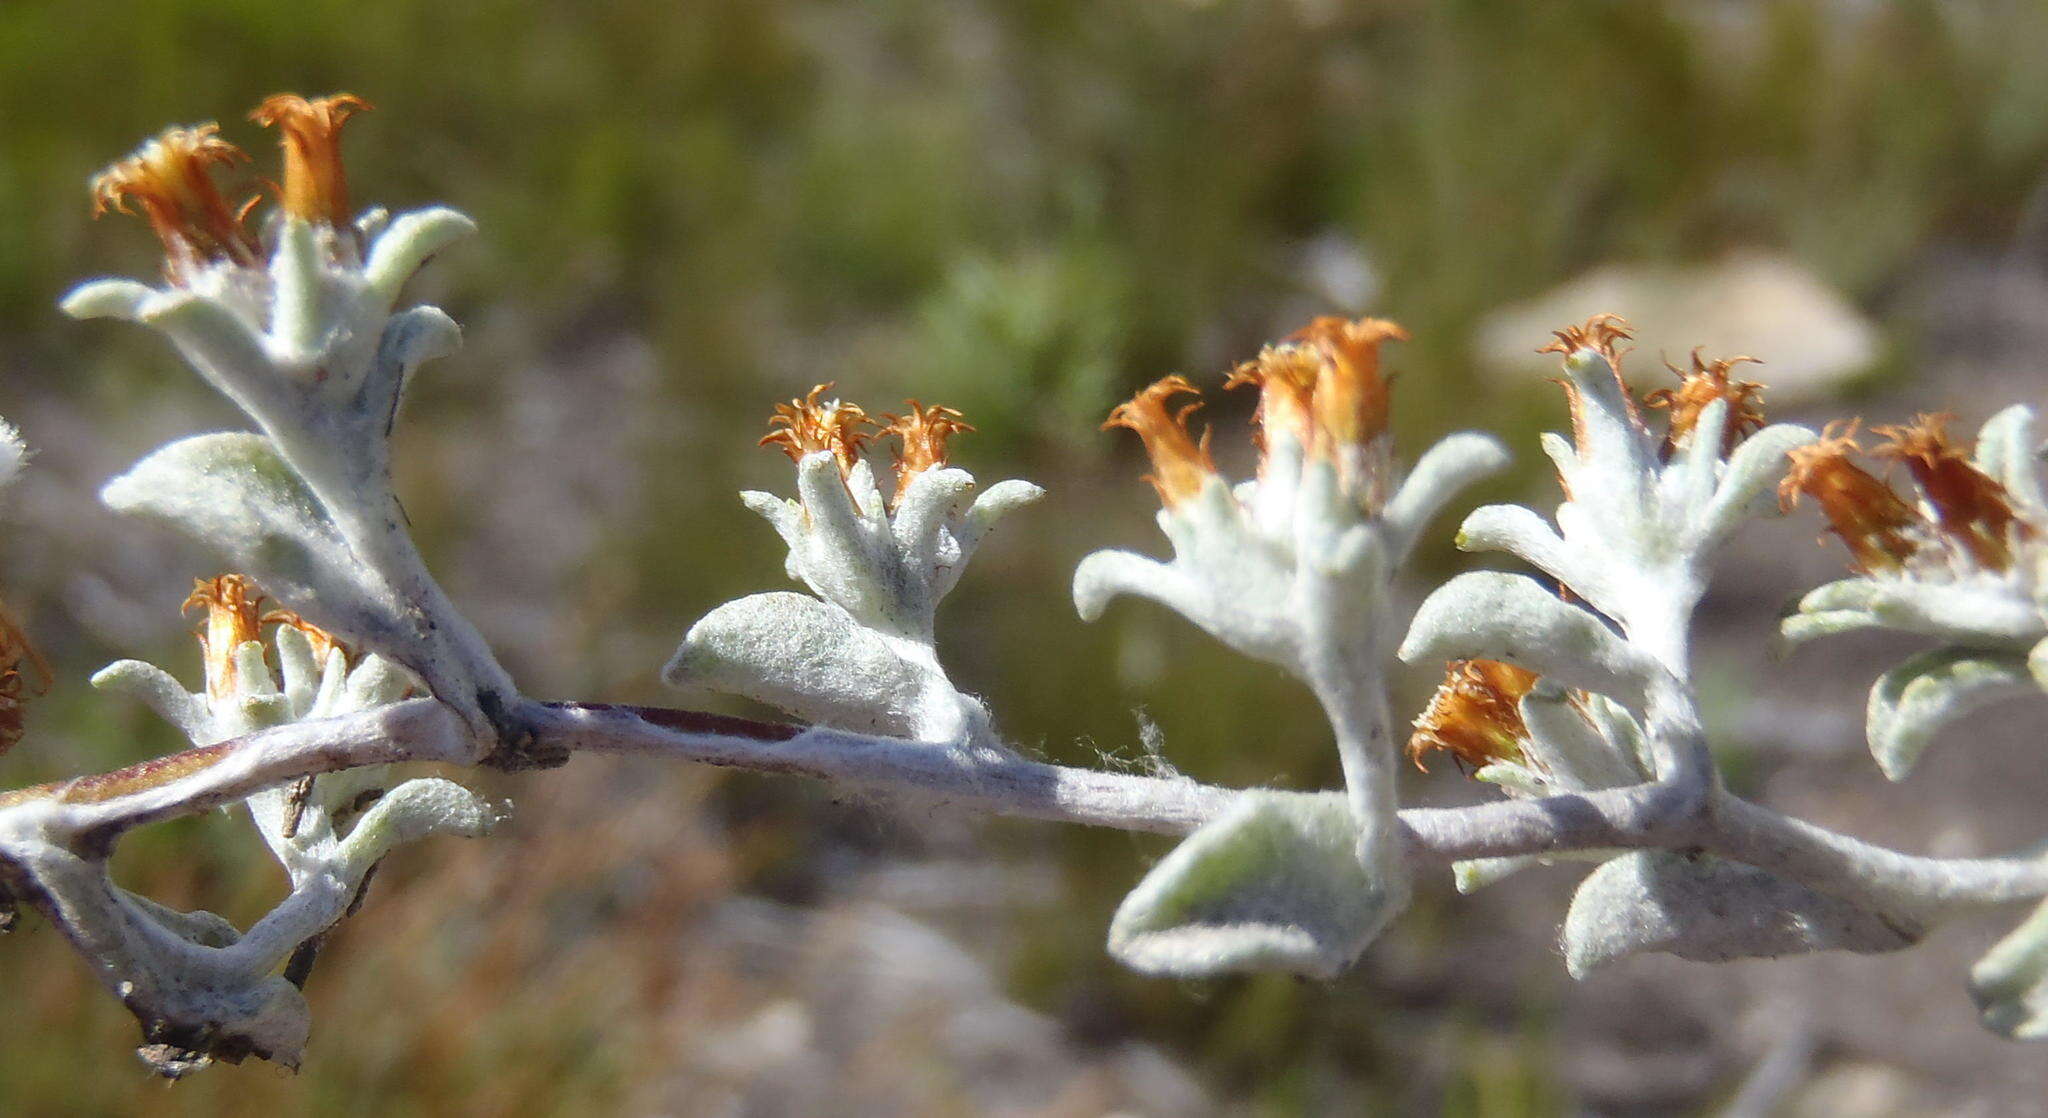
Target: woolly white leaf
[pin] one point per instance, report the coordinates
(108, 298)
(1103, 576)
(1910, 703)
(407, 243)
(1748, 483)
(1712, 910)
(997, 501)
(232, 491)
(806, 657)
(1522, 533)
(2005, 452)
(1978, 612)
(1273, 884)
(1443, 471)
(1798, 628)
(1570, 748)
(1474, 874)
(412, 811)
(1490, 615)
(2010, 983)
(162, 693)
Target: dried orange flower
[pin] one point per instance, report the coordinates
(809, 425)
(1602, 333)
(171, 178)
(1350, 402)
(1971, 509)
(23, 673)
(923, 433)
(1182, 466)
(1870, 519)
(315, 186)
(1475, 715)
(1704, 383)
(234, 616)
(1285, 376)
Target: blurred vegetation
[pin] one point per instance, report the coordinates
(1023, 210)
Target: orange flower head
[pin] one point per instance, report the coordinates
(1350, 402)
(171, 178)
(1475, 715)
(315, 185)
(1603, 334)
(1971, 509)
(809, 425)
(923, 433)
(234, 617)
(1286, 377)
(23, 674)
(1870, 519)
(1705, 383)
(1181, 465)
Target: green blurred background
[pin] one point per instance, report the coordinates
(692, 210)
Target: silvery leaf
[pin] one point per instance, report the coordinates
(1273, 884)
(803, 656)
(2010, 983)
(1909, 704)
(1712, 910)
(1495, 616)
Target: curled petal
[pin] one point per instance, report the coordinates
(1181, 466)
(315, 184)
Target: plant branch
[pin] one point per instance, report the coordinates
(1646, 815)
